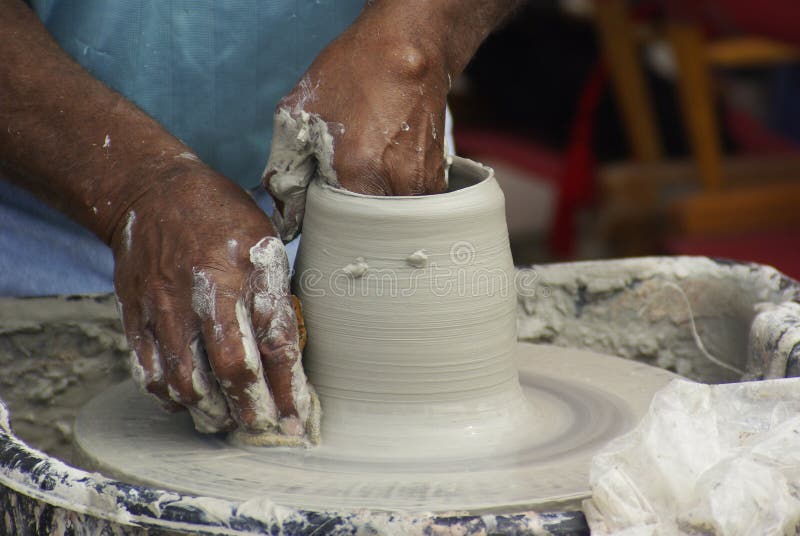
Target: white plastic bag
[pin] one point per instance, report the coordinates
(706, 459)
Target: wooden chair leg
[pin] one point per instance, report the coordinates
(632, 95)
(697, 101)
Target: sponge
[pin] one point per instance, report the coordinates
(275, 437)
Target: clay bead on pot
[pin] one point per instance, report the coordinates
(410, 306)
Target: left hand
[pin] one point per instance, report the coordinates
(368, 116)
(203, 287)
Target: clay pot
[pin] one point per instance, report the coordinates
(429, 404)
(410, 307)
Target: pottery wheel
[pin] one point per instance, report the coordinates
(586, 398)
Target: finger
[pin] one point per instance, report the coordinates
(185, 372)
(435, 178)
(278, 335)
(147, 369)
(234, 359)
(289, 170)
(276, 328)
(417, 170)
(436, 155)
(361, 172)
(210, 414)
(407, 177)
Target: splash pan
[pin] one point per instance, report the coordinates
(576, 402)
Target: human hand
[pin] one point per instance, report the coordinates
(368, 116)
(203, 287)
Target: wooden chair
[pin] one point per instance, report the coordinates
(714, 193)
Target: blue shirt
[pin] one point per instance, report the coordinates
(210, 71)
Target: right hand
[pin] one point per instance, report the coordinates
(203, 286)
(368, 116)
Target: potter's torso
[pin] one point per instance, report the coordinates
(210, 72)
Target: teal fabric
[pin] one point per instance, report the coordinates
(210, 71)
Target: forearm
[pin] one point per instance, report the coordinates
(69, 139)
(448, 30)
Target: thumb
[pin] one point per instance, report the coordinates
(301, 148)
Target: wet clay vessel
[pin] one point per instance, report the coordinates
(429, 402)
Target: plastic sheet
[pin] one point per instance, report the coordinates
(722, 459)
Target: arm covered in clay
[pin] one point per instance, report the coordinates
(369, 113)
(201, 280)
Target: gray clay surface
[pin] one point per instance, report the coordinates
(55, 354)
(58, 353)
(647, 308)
(578, 401)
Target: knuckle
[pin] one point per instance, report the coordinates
(281, 326)
(227, 337)
(234, 371)
(161, 293)
(283, 335)
(279, 354)
(412, 62)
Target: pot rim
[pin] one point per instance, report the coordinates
(457, 162)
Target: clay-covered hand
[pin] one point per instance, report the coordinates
(203, 287)
(368, 116)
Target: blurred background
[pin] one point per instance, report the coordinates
(626, 128)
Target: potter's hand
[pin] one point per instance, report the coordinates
(368, 116)
(203, 286)
(369, 113)
(202, 282)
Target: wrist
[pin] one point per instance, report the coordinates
(416, 32)
(142, 188)
(445, 31)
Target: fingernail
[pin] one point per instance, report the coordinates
(291, 426)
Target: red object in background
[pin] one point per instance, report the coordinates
(521, 153)
(778, 19)
(572, 172)
(753, 137)
(774, 248)
(577, 182)
(775, 19)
